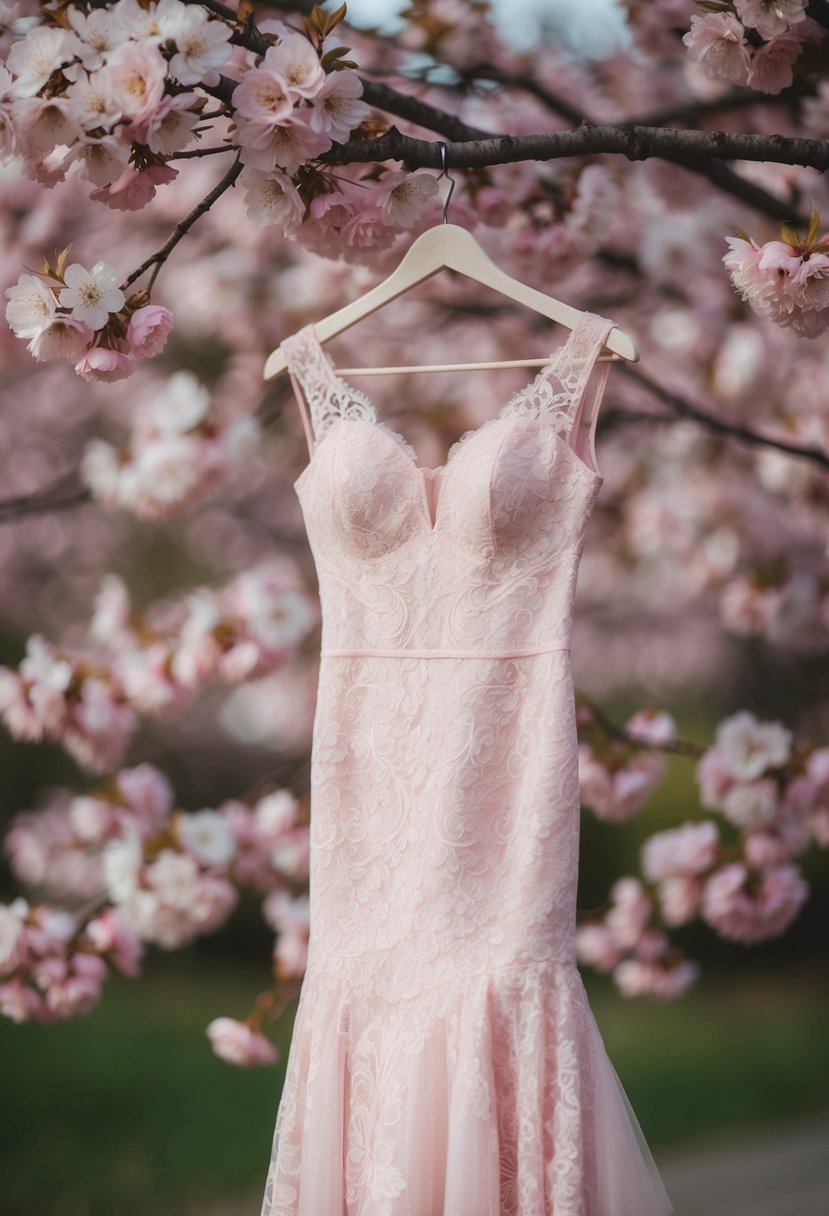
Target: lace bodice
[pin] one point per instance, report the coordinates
(480, 552)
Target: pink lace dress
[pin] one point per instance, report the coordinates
(445, 1060)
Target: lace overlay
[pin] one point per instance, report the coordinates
(445, 1060)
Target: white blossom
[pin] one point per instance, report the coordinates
(91, 295)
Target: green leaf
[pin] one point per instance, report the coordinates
(332, 20)
(789, 235)
(814, 226)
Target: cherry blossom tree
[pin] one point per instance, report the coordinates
(675, 184)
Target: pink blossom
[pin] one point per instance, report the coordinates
(631, 911)
(654, 726)
(133, 79)
(714, 777)
(717, 43)
(43, 124)
(75, 991)
(33, 58)
(100, 158)
(752, 804)
(93, 820)
(286, 146)
(31, 307)
(679, 898)
(770, 17)
(739, 913)
(208, 836)
(595, 944)
(202, 47)
(764, 850)
(337, 108)
(616, 794)
(169, 129)
(64, 338)
(108, 935)
(400, 197)
(98, 35)
(296, 62)
(687, 850)
(262, 98)
(772, 64)
(750, 747)
(19, 1001)
(272, 198)
(148, 329)
(367, 230)
(147, 792)
(99, 727)
(134, 189)
(239, 1043)
(104, 363)
(636, 978)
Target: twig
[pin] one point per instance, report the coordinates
(182, 228)
(685, 409)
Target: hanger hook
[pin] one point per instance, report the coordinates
(449, 178)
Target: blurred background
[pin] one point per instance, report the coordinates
(126, 1110)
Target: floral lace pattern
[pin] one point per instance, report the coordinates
(445, 1060)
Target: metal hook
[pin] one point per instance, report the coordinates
(449, 178)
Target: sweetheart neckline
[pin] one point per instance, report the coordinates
(377, 425)
(556, 358)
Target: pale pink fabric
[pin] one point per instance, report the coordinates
(445, 1060)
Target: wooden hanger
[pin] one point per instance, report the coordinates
(449, 246)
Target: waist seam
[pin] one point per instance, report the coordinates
(439, 653)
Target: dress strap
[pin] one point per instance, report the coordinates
(322, 395)
(581, 359)
(302, 356)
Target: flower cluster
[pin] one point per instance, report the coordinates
(178, 450)
(777, 796)
(52, 966)
(249, 628)
(627, 944)
(87, 318)
(162, 876)
(717, 42)
(356, 219)
(787, 280)
(91, 96)
(287, 111)
(617, 777)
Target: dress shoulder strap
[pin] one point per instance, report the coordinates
(321, 395)
(559, 388)
(581, 358)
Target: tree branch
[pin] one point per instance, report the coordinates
(182, 228)
(633, 142)
(685, 409)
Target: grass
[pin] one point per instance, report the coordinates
(126, 1111)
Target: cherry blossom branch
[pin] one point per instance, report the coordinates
(676, 746)
(183, 227)
(685, 409)
(632, 141)
(635, 139)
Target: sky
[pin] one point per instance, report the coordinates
(587, 27)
